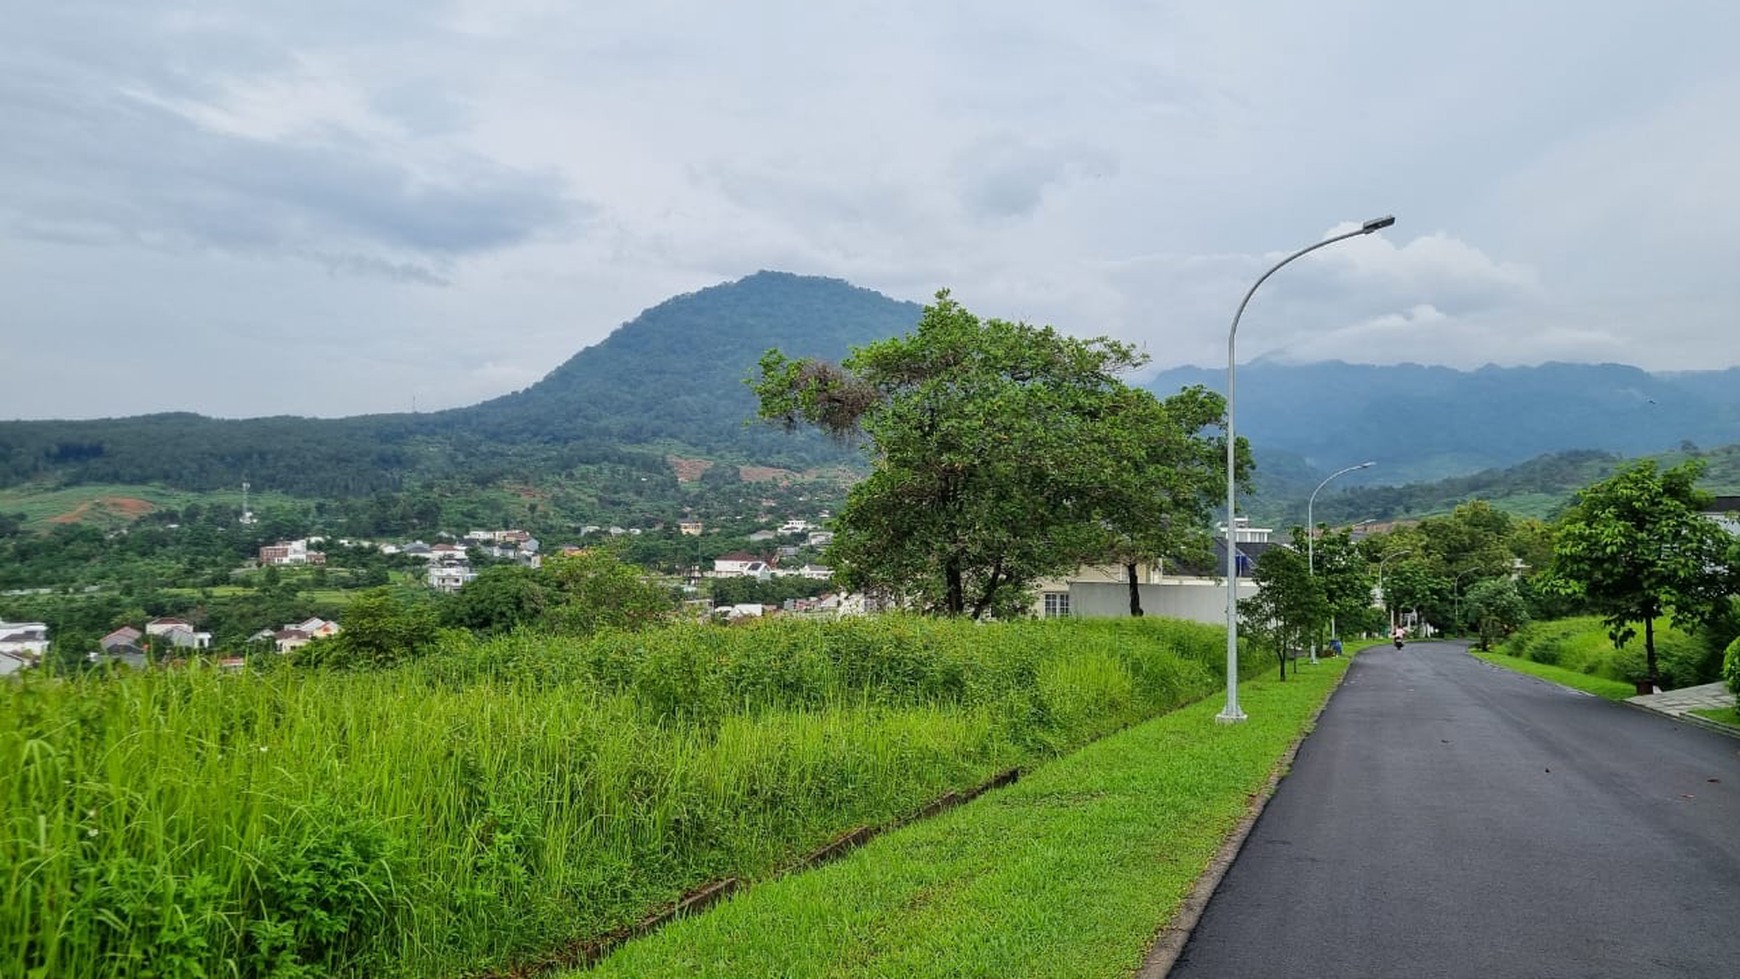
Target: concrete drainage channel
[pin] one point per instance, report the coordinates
(1168, 946)
(584, 954)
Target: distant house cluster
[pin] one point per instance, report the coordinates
(450, 563)
(295, 635)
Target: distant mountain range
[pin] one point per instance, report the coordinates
(1424, 423)
(671, 382)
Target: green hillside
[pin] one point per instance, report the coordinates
(1537, 488)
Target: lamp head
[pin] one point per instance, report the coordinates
(1377, 224)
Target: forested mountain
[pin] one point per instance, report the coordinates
(670, 380)
(675, 374)
(1540, 487)
(1425, 423)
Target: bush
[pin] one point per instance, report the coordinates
(1731, 666)
(1584, 644)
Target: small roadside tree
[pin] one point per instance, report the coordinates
(1636, 546)
(1289, 606)
(1496, 608)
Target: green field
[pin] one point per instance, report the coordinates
(115, 504)
(499, 800)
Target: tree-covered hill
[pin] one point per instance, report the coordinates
(675, 375)
(672, 379)
(1540, 487)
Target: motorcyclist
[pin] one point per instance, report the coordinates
(1400, 634)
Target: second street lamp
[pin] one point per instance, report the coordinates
(1311, 541)
(1231, 714)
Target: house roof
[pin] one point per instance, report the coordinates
(737, 556)
(1724, 504)
(167, 620)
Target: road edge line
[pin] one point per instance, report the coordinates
(1169, 944)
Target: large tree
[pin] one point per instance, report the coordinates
(1166, 474)
(1636, 546)
(992, 444)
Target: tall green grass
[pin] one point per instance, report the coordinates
(1582, 645)
(500, 799)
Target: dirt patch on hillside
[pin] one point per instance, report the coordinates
(766, 474)
(125, 507)
(688, 470)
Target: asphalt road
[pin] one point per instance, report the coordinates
(1449, 818)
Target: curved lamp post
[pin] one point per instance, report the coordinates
(1231, 713)
(1311, 541)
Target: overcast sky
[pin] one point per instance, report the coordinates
(332, 207)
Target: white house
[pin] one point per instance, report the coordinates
(1725, 510)
(737, 563)
(178, 633)
(26, 639)
(289, 552)
(11, 663)
(450, 577)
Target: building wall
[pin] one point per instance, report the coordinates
(1197, 600)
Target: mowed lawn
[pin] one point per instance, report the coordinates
(1071, 872)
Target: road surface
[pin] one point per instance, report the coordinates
(1449, 818)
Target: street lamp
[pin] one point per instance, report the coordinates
(1311, 542)
(1231, 713)
(1381, 596)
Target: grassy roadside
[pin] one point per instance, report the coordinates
(1725, 715)
(1069, 872)
(1598, 685)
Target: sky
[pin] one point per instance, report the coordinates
(330, 208)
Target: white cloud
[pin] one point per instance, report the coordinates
(267, 185)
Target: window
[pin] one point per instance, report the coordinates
(1057, 605)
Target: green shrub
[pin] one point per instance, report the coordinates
(1731, 666)
(1585, 644)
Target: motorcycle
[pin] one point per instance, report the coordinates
(1398, 644)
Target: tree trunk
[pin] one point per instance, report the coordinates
(1649, 652)
(1135, 592)
(991, 587)
(957, 598)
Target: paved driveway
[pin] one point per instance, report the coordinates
(1448, 818)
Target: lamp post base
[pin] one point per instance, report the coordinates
(1231, 715)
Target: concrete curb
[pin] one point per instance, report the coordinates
(1169, 944)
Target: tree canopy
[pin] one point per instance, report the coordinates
(1001, 453)
(1636, 546)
